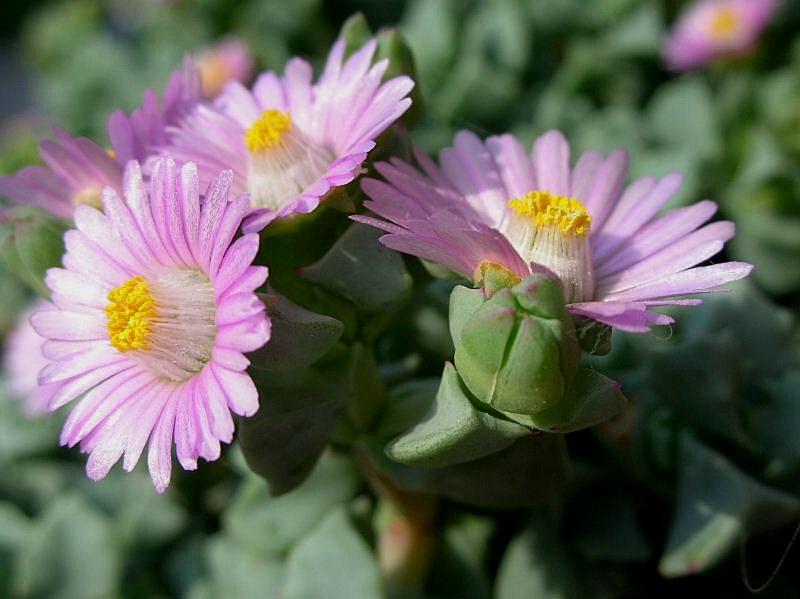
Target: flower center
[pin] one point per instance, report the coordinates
(267, 132)
(167, 323)
(129, 315)
(568, 215)
(725, 24)
(282, 160)
(553, 231)
(90, 195)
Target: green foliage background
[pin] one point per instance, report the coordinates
(658, 500)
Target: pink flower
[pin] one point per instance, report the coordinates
(491, 202)
(711, 29)
(229, 60)
(155, 311)
(289, 141)
(136, 137)
(77, 169)
(23, 360)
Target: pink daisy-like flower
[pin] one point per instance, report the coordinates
(290, 141)
(229, 60)
(77, 169)
(711, 29)
(492, 203)
(155, 311)
(24, 359)
(76, 172)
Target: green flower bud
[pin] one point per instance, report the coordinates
(517, 352)
(355, 32)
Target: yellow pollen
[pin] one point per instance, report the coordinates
(267, 131)
(129, 314)
(550, 210)
(726, 22)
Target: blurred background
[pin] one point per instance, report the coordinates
(717, 417)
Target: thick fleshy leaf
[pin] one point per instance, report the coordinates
(454, 430)
(31, 241)
(532, 471)
(459, 566)
(775, 423)
(537, 564)
(717, 504)
(272, 525)
(284, 439)
(695, 380)
(332, 562)
(20, 436)
(604, 525)
(362, 270)
(70, 554)
(682, 114)
(235, 571)
(298, 337)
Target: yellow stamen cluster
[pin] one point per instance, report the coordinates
(129, 315)
(550, 210)
(726, 22)
(267, 131)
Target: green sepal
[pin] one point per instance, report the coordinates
(591, 399)
(453, 431)
(464, 302)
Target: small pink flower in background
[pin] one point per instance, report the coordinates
(289, 141)
(137, 136)
(77, 169)
(155, 309)
(711, 29)
(490, 202)
(229, 60)
(24, 359)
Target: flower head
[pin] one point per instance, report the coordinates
(490, 203)
(712, 29)
(289, 141)
(155, 309)
(229, 60)
(23, 360)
